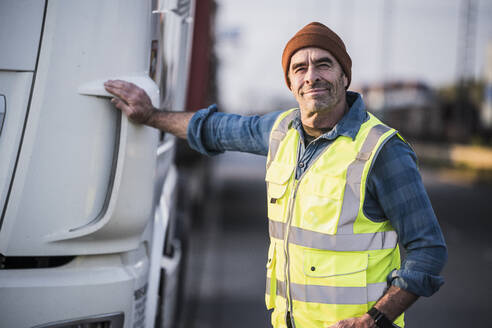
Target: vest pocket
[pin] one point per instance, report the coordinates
(277, 177)
(325, 186)
(335, 285)
(319, 202)
(329, 264)
(271, 279)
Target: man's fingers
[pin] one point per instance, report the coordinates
(131, 100)
(129, 92)
(120, 104)
(121, 89)
(120, 84)
(118, 92)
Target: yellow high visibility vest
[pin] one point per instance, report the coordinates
(327, 261)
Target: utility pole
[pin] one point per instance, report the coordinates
(465, 67)
(387, 35)
(466, 43)
(386, 44)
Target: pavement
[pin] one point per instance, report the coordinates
(226, 267)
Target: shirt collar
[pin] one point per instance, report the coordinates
(350, 123)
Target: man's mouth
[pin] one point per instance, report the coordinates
(315, 91)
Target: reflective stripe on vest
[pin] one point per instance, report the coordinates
(278, 134)
(332, 294)
(351, 198)
(356, 243)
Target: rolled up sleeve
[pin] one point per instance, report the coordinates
(420, 271)
(396, 183)
(195, 128)
(211, 132)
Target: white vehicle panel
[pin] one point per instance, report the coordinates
(161, 224)
(14, 91)
(83, 188)
(86, 287)
(19, 38)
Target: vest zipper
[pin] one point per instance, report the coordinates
(292, 198)
(288, 305)
(288, 300)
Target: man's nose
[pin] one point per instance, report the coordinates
(311, 75)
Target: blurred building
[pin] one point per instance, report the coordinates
(412, 107)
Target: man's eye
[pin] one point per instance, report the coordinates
(299, 69)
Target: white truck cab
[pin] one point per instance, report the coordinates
(87, 198)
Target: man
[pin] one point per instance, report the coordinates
(343, 189)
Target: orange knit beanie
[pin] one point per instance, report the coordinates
(317, 35)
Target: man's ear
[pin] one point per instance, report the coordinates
(345, 81)
(288, 81)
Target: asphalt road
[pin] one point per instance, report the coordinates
(226, 268)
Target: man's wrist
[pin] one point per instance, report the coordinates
(150, 121)
(368, 321)
(379, 318)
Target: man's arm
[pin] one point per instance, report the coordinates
(207, 131)
(397, 186)
(393, 303)
(136, 104)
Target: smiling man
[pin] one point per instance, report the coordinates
(318, 84)
(343, 190)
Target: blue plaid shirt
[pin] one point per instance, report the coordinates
(395, 190)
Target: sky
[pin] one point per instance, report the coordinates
(422, 37)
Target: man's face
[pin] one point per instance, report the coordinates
(316, 80)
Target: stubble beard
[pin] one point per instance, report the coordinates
(327, 102)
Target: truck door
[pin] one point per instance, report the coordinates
(74, 173)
